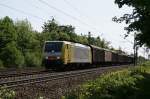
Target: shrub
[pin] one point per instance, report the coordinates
(11, 56)
(32, 59)
(124, 84)
(146, 63)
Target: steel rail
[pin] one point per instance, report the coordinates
(18, 73)
(52, 76)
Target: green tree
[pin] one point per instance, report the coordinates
(28, 42)
(64, 36)
(105, 44)
(90, 40)
(67, 29)
(53, 31)
(50, 31)
(26, 39)
(11, 56)
(9, 53)
(70, 31)
(138, 20)
(33, 59)
(7, 32)
(16, 40)
(82, 39)
(50, 26)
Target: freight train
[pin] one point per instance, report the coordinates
(65, 54)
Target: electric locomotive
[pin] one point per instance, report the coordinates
(58, 54)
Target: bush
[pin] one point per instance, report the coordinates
(125, 84)
(147, 63)
(11, 56)
(33, 59)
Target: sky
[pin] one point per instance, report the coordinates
(85, 15)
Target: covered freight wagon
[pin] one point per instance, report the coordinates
(98, 55)
(111, 57)
(108, 56)
(114, 57)
(122, 58)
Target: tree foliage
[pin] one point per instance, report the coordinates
(53, 31)
(11, 56)
(138, 20)
(16, 39)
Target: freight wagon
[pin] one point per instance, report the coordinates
(98, 55)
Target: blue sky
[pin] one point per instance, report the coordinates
(85, 15)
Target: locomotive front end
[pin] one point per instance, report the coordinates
(52, 55)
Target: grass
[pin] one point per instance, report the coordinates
(132, 83)
(6, 93)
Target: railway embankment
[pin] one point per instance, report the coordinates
(131, 83)
(49, 85)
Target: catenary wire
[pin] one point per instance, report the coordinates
(77, 10)
(61, 11)
(20, 11)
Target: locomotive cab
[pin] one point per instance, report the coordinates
(52, 53)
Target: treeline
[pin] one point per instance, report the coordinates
(21, 46)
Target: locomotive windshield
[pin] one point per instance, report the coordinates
(53, 47)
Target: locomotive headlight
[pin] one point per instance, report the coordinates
(46, 57)
(58, 57)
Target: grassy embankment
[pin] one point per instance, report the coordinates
(132, 83)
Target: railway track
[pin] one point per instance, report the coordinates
(11, 82)
(20, 72)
